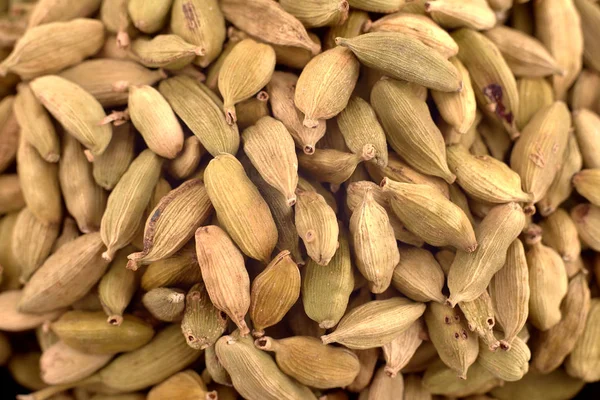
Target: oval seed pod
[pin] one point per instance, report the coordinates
(295, 57)
(251, 110)
(587, 182)
(430, 215)
(160, 190)
(472, 14)
(400, 350)
(356, 24)
(246, 70)
(271, 150)
(450, 335)
(201, 111)
(560, 233)
(13, 320)
(585, 91)
(485, 178)
(401, 56)
(31, 242)
(558, 27)
(312, 185)
(184, 385)
(479, 314)
(418, 275)
(88, 332)
(538, 154)
(39, 184)
(586, 217)
(173, 222)
(312, 363)
(49, 48)
(375, 323)
(77, 111)
(66, 276)
(360, 127)
(586, 128)
(186, 163)
(333, 166)
(274, 291)
(374, 243)
(509, 290)
(224, 274)
(534, 94)
(85, 200)
(108, 80)
(47, 11)
(525, 55)
(268, 22)
(11, 196)
(506, 365)
(409, 128)
(326, 290)
(317, 226)
(385, 387)
(164, 51)
(551, 347)
(62, 364)
(127, 202)
(110, 166)
(246, 217)
(202, 322)
(201, 23)
(282, 88)
(470, 273)
(584, 359)
(214, 368)
(165, 304)
(325, 85)
(155, 120)
(494, 84)
(367, 359)
(148, 16)
(35, 123)
(548, 281)
(254, 373)
(314, 13)
(533, 386)
(179, 270)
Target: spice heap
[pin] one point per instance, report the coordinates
(301, 200)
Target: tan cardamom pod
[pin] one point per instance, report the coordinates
(179, 270)
(470, 273)
(11, 196)
(418, 275)
(586, 129)
(481, 319)
(214, 368)
(585, 91)
(367, 359)
(474, 14)
(165, 304)
(149, 16)
(46, 11)
(400, 350)
(184, 385)
(187, 162)
(333, 166)
(584, 359)
(534, 386)
(13, 320)
(202, 322)
(164, 51)
(357, 23)
(110, 166)
(534, 94)
(295, 57)
(11, 269)
(507, 365)
(317, 13)
(560, 233)
(62, 364)
(415, 389)
(251, 110)
(409, 128)
(10, 133)
(224, 274)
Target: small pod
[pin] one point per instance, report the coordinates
(184, 385)
(110, 166)
(224, 274)
(560, 233)
(507, 365)
(179, 270)
(367, 359)
(61, 364)
(439, 379)
(11, 196)
(586, 129)
(385, 387)
(474, 14)
(584, 360)
(214, 368)
(534, 94)
(14, 320)
(187, 162)
(295, 57)
(419, 275)
(357, 23)
(400, 350)
(251, 110)
(585, 91)
(378, 6)
(317, 13)
(164, 51)
(148, 16)
(480, 317)
(165, 304)
(202, 322)
(311, 362)
(47, 11)
(333, 166)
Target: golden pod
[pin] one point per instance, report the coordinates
(173, 222)
(46, 11)
(77, 111)
(201, 111)
(535, 386)
(583, 360)
(187, 162)
(586, 217)
(485, 178)
(333, 166)
(375, 323)
(14, 320)
(11, 196)
(317, 226)
(311, 362)
(493, 81)
(590, 17)
(450, 335)
(480, 317)
(184, 385)
(110, 166)
(560, 233)
(400, 350)
(11, 268)
(271, 150)
(202, 322)
(127, 202)
(458, 197)
(315, 13)
(299, 324)
(356, 24)
(534, 94)
(254, 373)
(548, 281)
(587, 132)
(148, 16)
(109, 80)
(39, 184)
(325, 85)
(160, 190)
(164, 51)
(85, 200)
(409, 128)
(224, 274)
(49, 48)
(550, 348)
(269, 22)
(117, 287)
(585, 91)
(509, 290)
(326, 289)
(246, 217)
(282, 89)
(35, 123)
(31, 242)
(418, 275)
(474, 14)
(179, 270)
(378, 6)
(431, 216)
(445, 258)
(420, 27)
(587, 184)
(62, 364)
(88, 332)
(251, 110)
(200, 22)
(367, 359)
(470, 273)
(66, 276)
(384, 386)
(507, 365)
(313, 185)
(295, 57)
(274, 291)
(165, 304)
(245, 71)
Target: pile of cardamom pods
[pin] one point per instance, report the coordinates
(300, 199)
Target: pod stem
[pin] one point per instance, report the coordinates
(115, 320)
(230, 114)
(266, 344)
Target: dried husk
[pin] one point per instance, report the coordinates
(584, 359)
(202, 322)
(188, 160)
(46, 11)
(149, 16)
(534, 94)
(165, 304)
(164, 51)
(316, 13)
(184, 385)
(14, 320)
(109, 167)
(401, 349)
(474, 14)
(560, 233)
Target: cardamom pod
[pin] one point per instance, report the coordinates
(367, 359)
(481, 319)
(533, 386)
(187, 162)
(214, 368)
(586, 217)
(378, 6)
(560, 233)
(510, 365)
(587, 132)
(110, 166)
(251, 110)
(164, 51)
(179, 270)
(384, 386)
(295, 57)
(418, 275)
(583, 360)
(46, 11)
(11, 196)
(184, 385)
(13, 320)
(586, 182)
(474, 14)
(400, 350)
(590, 17)
(165, 304)
(316, 13)
(333, 166)
(585, 91)
(534, 94)
(10, 133)
(149, 16)
(62, 364)
(357, 23)
(202, 322)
